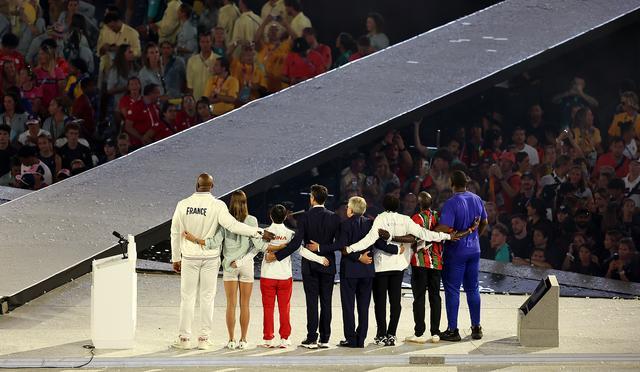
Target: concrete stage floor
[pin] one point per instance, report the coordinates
(51, 330)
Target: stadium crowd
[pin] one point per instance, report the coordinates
(80, 89)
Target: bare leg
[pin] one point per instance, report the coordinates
(245, 297)
(231, 290)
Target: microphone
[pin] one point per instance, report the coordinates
(123, 243)
(117, 235)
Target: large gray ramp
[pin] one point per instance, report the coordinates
(50, 236)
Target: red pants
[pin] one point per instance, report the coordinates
(272, 288)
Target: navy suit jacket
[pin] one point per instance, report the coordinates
(320, 225)
(351, 231)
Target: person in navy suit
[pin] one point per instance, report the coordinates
(322, 226)
(356, 271)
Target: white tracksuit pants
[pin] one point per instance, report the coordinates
(199, 276)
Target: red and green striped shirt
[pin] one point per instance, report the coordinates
(431, 256)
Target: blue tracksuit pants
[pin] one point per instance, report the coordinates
(460, 269)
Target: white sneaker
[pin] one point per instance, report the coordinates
(269, 343)
(285, 343)
(182, 343)
(204, 344)
(435, 339)
(231, 345)
(416, 339)
(243, 345)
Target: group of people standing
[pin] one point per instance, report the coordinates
(374, 257)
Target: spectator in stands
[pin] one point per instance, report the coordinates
(504, 184)
(632, 182)
(580, 260)
(82, 108)
(222, 89)
(73, 149)
(439, 174)
(578, 183)
(353, 177)
(519, 240)
(30, 90)
(625, 266)
(629, 108)
(384, 174)
(9, 51)
(173, 71)
(203, 109)
(110, 151)
(614, 158)
(167, 125)
(498, 249)
(34, 174)
(50, 77)
(77, 72)
(630, 144)
(586, 135)
(167, 27)
(187, 37)
(301, 63)
(200, 65)
(574, 96)
(346, 46)
(13, 115)
(518, 137)
(151, 72)
(246, 25)
(7, 151)
(492, 147)
(58, 118)
(309, 35)
(250, 76)
(124, 144)
(364, 48)
(76, 45)
(409, 204)
(122, 69)
(113, 34)
(526, 194)
(144, 114)
(47, 154)
(272, 53)
(8, 75)
(219, 45)
(227, 16)
(133, 96)
(522, 163)
(375, 32)
(299, 21)
(187, 116)
(30, 136)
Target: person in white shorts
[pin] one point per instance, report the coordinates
(200, 215)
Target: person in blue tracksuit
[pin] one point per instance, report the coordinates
(461, 259)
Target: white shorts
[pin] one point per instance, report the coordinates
(242, 274)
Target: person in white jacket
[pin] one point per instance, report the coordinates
(390, 266)
(200, 214)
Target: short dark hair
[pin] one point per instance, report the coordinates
(278, 213)
(615, 139)
(295, 4)
(501, 228)
(10, 40)
(520, 156)
(5, 128)
(111, 17)
(86, 82)
(319, 193)
(148, 89)
(545, 231)
(71, 126)
(224, 62)
(425, 200)
(390, 203)
(186, 9)
(364, 41)
(562, 160)
(204, 33)
(443, 154)
(459, 179)
(519, 216)
(80, 64)
(616, 184)
(309, 31)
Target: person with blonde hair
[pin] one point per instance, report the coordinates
(629, 108)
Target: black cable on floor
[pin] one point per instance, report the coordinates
(91, 349)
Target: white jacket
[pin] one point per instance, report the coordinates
(200, 214)
(397, 225)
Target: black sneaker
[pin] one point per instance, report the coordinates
(344, 343)
(380, 340)
(476, 332)
(391, 340)
(309, 344)
(450, 335)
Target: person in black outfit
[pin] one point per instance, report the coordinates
(73, 149)
(6, 150)
(322, 226)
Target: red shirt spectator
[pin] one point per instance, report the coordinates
(142, 115)
(82, 109)
(49, 83)
(184, 120)
(614, 159)
(298, 68)
(9, 51)
(167, 125)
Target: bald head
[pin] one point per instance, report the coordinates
(204, 182)
(424, 200)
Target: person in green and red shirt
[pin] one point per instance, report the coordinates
(426, 266)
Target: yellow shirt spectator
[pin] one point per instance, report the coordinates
(77, 89)
(224, 87)
(249, 74)
(169, 24)
(614, 129)
(299, 23)
(198, 73)
(272, 58)
(126, 35)
(274, 8)
(588, 143)
(227, 16)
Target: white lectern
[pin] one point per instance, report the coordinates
(538, 316)
(114, 295)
